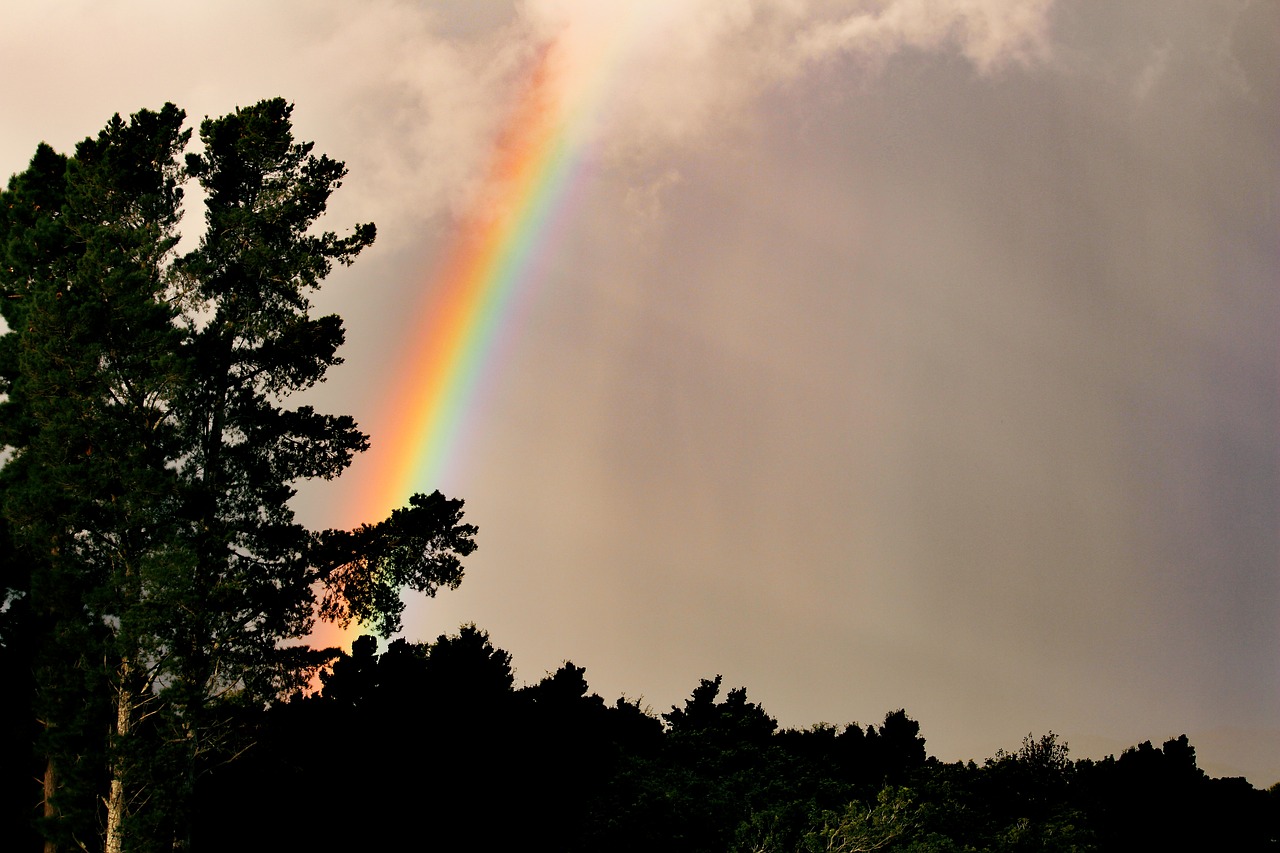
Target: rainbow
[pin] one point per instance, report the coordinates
(495, 261)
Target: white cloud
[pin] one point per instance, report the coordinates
(412, 95)
(990, 33)
(678, 72)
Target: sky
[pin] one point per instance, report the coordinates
(874, 354)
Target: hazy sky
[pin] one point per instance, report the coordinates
(890, 353)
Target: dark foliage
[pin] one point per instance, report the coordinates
(434, 741)
(156, 582)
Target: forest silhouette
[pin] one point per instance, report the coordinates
(159, 594)
(427, 742)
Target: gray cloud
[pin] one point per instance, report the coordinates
(895, 354)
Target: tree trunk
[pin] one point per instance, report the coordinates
(50, 812)
(116, 795)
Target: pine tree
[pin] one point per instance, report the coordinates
(151, 456)
(91, 357)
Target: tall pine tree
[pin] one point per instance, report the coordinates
(91, 358)
(152, 455)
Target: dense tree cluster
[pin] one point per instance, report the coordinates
(158, 592)
(431, 741)
(436, 741)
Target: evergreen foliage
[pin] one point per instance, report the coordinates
(156, 575)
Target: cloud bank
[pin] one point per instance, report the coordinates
(899, 352)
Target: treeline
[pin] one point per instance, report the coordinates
(427, 742)
(436, 741)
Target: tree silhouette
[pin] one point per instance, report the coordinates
(150, 456)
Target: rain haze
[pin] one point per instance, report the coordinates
(883, 354)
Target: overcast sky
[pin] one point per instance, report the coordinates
(889, 353)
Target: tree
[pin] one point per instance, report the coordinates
(732, 722)
(1030, 799)
(151, 456)
(422, 730)
(90, 358)
(862, 827)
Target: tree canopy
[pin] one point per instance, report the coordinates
(438, 740)
(151, 450)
